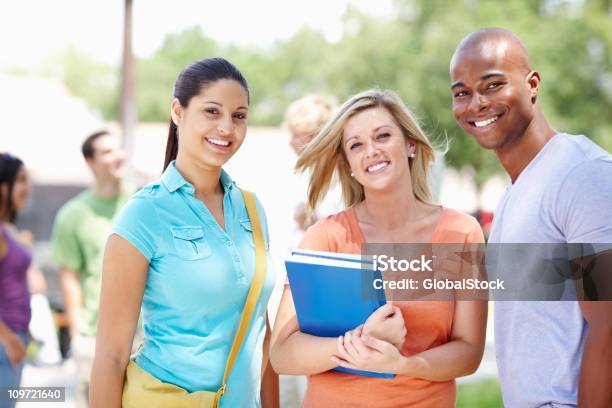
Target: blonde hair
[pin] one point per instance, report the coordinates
(324, 154)
(308, 114)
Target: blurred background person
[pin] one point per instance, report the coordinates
(15, 261)
(304, 118)
(78, 239)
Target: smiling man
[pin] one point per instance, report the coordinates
(549, 354)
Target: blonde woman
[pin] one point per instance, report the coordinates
(381, 157)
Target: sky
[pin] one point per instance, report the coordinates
(32, 30)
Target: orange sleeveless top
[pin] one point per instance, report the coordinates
(428, 325)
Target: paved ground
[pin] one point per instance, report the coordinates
(51, 376)
(65, 376)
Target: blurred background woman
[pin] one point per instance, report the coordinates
(15, 260)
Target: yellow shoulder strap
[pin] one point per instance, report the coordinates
(254, 291)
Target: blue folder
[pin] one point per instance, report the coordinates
(333, 293)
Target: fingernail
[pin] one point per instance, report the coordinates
(365, 338)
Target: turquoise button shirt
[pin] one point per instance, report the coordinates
(198, 280)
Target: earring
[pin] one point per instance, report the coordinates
(352, 174)
(412, 155)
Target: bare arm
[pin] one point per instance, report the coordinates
(297, 353)
(73, 298)
(123, 281)
(596, 371)
(36, 281)
(269, 379)
(461, 355)
(293, 352)
(15, 349)
(3, 247)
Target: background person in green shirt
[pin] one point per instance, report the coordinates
(79, 236)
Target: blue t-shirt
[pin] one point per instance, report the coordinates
(564, 195)
(198, 279)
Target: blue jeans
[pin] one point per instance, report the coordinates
(10, 377)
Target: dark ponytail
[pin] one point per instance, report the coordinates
(171, 144)
(190, 83)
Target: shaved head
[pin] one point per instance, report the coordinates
(495, 96)
(494, 43)
(494, 89)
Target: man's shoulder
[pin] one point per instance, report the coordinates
(566, 160)
(584, 162)
(75, 206)
(589, 178)
(581, 149)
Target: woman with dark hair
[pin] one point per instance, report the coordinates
(189, 249)
(15, 260)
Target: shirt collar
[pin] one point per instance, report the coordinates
(173, 180)
(226, 181)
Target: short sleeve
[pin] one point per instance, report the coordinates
(65, 248)
(136, 222)
(584, 203)
(316, 237)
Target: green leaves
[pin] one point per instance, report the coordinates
(570, 44)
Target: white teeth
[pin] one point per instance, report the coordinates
(219, 142)
(486, 122)
(377, 166)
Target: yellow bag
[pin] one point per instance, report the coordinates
(142, 390)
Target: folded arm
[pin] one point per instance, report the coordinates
(293, 352)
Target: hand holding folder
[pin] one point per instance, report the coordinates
(383, 324)
(358, 351)
(333, 294)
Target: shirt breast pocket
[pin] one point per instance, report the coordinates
(246, 224)
(190, 243)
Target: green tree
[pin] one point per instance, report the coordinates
(97, 83)
(570, 43)
(155, 75)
